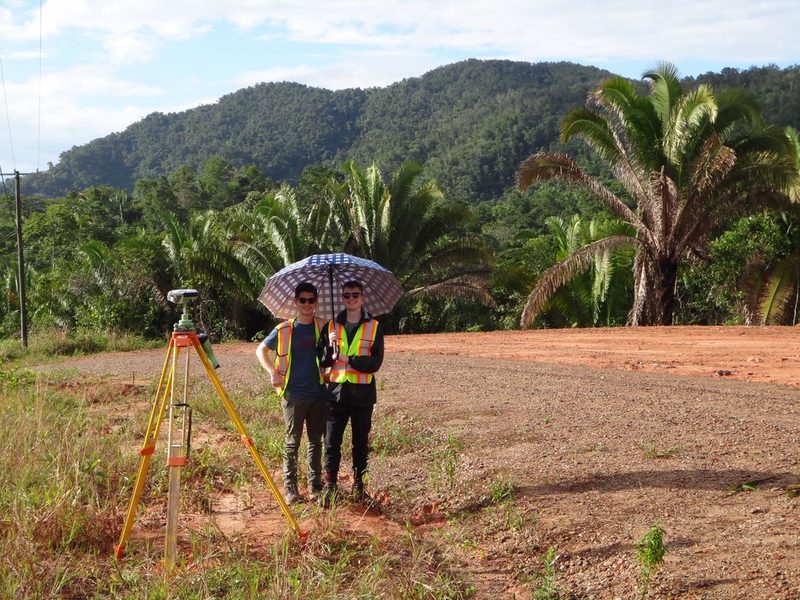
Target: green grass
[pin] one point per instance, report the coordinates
(392, 436)
(444, 463)
(67, 469)
(652, 451)
(43, 346)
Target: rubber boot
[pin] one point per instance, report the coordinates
(329, 491)
(359, 494)
(292, 496)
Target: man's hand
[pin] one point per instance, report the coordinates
(277, 379)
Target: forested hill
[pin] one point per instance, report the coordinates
(470, 123)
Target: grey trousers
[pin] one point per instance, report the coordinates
(297, 411)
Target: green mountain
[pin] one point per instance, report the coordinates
(470, 123)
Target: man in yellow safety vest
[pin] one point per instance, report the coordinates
(355, 344)
(291, 355)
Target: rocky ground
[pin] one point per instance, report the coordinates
(601, 433)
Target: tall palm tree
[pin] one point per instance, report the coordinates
(688, 162)
(407, 226)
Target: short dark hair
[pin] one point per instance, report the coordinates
(305, 287)
(354, 284)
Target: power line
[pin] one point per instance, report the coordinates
(8, 118)
(39, 131)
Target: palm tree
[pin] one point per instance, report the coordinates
(271, 230)
(407, 226)
(688, 161)
(200, 255)
(585, 284)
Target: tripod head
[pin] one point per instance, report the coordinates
(182, 297)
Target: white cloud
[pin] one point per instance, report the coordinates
(99, 53)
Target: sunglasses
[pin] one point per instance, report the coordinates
(303, 300)
(348, 295)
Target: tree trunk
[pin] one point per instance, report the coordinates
(655, 292)
(662, 299)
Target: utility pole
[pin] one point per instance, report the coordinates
(23, 320)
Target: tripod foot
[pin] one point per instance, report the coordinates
(119, 550)
(303, 536)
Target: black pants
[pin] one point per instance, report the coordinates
(360, 424)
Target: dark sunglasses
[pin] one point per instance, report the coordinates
(303, 300)
(348, 295)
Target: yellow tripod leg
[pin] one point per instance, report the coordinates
(237, 422)
(149, 445)
(176, 459)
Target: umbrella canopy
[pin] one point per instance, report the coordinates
(328, 272)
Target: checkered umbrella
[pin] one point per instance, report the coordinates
(328, 272)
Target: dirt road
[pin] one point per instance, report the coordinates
(602, 433)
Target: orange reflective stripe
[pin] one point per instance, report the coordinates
(283, 358)
(365, 345)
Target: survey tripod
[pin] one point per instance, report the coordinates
(180, 425)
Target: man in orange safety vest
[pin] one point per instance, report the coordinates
(291, 355)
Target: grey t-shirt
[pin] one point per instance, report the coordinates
(304, 372)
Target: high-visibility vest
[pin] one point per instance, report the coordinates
(360, 345)
(283, 350)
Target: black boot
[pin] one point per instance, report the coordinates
(329, 491)
(359, 494)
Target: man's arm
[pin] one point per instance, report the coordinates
(264, 355)
(325, 351)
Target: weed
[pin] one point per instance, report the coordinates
(652, 451)
(501, 491)
(650, 552)
(746, 486)
(514, 518)
(46, 344)
(547, 589)
(16, 377)
(390, 437)
(445, 463)
(596, 447)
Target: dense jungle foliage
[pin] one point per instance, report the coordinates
(221, 196)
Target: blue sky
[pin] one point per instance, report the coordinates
(81, 69)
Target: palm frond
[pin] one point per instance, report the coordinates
(595, 131)
(463, 287)
(543, 166)
(689, 117)
(734, 106)
(665, 89)
(779, 287)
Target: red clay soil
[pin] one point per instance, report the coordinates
(602, 432)
(769, 354)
